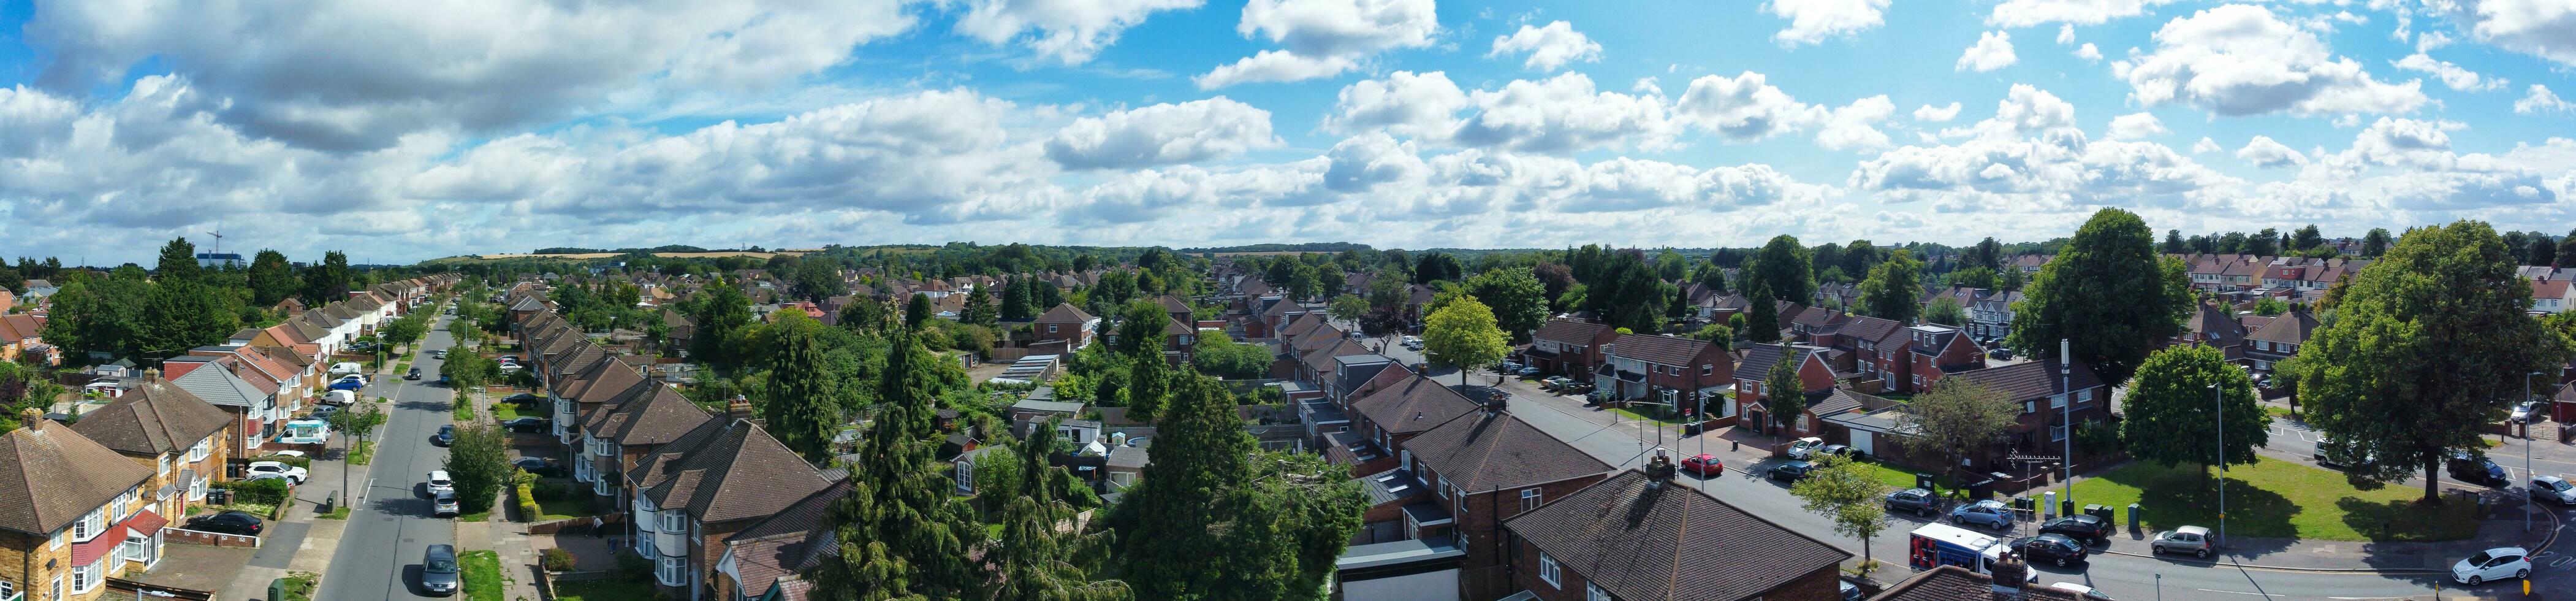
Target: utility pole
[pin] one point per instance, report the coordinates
(2066, 414)
(2526, 448)
(2218, 402)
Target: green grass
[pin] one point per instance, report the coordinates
(299, 586)
(364, 454)
(607, 589)
(479, 516)
(1893, 476)
(463, 412)
(2279, 499)
(1643, 417)
(561, 509)
(505, 411)
(2278, 411)
(337, 513)
(482, 575)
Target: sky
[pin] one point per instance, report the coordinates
(403, 130)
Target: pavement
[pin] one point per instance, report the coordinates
(376, 554)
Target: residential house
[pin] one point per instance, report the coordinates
(1488, 466)
(73, 513)
(1813, 325)
(694, 494)
(38, 290)
(1990, 319)
(773, 551)
(1064, 322)
(1935, 351)
(2550, 296)
(634, 426)
(1640, 536)
(255, 414)
(1385, 420)
(161, 426)
(1815, 375)
(1179, 309)
(1696, 375)
(1954, 583)
(1566, 346)
(2279, 339)
(1877, 352)
(21, 333)
(2048, 393)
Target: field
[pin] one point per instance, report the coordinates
(2279, 499)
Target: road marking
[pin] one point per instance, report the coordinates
(2212, 590)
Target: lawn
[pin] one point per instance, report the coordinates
(478, 516)
(299, 586)
(463, 412)
(337, 513)
(1643, 417)
(482, 575)
(561, 509)
(505, 411)
(1899, 478)
(2279, 499)
(366, 453)
(608, 589)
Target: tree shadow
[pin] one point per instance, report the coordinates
(2407, 521)
(2178, 497)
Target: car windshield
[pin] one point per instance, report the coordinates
(441, 565)
(2557, 485)
(2481, 559)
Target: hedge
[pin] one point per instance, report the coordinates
(302, 462)
(528, 510)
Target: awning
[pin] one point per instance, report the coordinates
(88, 552)
(147, 522)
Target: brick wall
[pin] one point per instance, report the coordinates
(194, 537)
(1820, 585)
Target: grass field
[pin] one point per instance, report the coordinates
(482, 575)
(2279, 499)
(561, 509)
(602, 590)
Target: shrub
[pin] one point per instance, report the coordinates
(528, 510)
(555, 560)
(267, 492)
(302, 462)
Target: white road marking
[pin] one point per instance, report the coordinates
(2212, 590)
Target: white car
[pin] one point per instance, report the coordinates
(1804, 447)
(261, 470)
(510, 367)
(2553, 488)
(438, 482)
(2493, 564)
(346, 367)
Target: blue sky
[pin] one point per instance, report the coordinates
(401, 131)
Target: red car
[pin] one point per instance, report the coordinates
(1706, 465)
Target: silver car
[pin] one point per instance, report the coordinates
(2189, 540)
(2553, 488)
(438, 571)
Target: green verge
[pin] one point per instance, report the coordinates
(2279, 499)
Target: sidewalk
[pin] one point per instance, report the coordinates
(303, 541)
(517, 549)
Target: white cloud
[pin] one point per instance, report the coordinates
(360, 75)
(2451, 75)
(1928, 114)
(1994, 50)
(2025, 13)
(1162, 134)
(2030, 156)
(1322, 38)
(1814, 21)
(2136, 125)
(2543, 28)
(1745, 107)
(2541, 100)
(1562, 114)
(1855, 125)
(2065, 33)
(2431, 40)
(2263, 152)
(2405, 142)
(1548, 47)
(1404, 103)
(1071, 31)
(2089, 53)
(2205, 146)
(2241, 60)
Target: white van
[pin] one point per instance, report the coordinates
(340, 398)
(346, 367)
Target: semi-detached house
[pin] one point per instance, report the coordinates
(1570, 347)
(73, 513)
(1696, 375)
(1485, 467)
(1640, 536)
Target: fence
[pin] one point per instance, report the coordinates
(211, 539)
(155, 591)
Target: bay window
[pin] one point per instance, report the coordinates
(673, 571)
(204, 448)
(89, 526)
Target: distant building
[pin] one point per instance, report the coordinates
(220, 260)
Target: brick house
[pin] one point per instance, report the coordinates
(1569, 347)
(2279, 339)
(1698, 375)
(760, 557)
(1876, 351)
(2215, 325)
(1935, 351)
(1064, 322)
(64, 531)
(1636, 536)
(1485, 467)
(1392, 415)
(1814, 374)
(2043, 395)
(166, 429)
(694, 494)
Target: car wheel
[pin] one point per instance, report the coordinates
(2521, 573)
(2202, 553)
(1958, 520)
(2061, 562)
(2155, 550)
(2474, 581)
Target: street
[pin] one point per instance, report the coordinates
(390, 525)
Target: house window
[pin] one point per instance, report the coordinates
(2262, 345)
(165, 465)
(1530, 499)
(1050, 328)
(1547, 570)
(89, 525)
(8, 590)
(672, 572)
(2056, 401)
(1708, 370)
(2057, 431)
(86, 578)
(674, 522)
(2083, 397)
(2261, 364)
(203, 448)
(2293, 348)
(2030, 406)
(1593, 592)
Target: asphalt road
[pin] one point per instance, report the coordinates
(390, 527)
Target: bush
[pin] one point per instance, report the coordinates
(633, 567)
(266, 492)
(528, 510)
(555, 560)
(302, 462)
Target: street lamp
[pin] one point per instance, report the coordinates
(2526, 448)
(2218, 402)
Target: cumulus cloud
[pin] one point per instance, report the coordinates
(1071, 31)
(1744, 107)
(1403, 103)
(1855, 125)
(2263, 152)
(1930, 114)
(2136, 125)
(2543, 28)
(2065, 33)
(1562, 114)
(2451, 75)
(1994, 50)
(1162, 134)
(2026, 13)
(1322, 38)
(2205, 146)
(1814, 21)
(2088, 53)
(2241, 60)
(1548, 47)
(2030, 156)
(2539, 100)
(353, 76)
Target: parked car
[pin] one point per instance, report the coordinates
(1526, 372)
(439, 482)
(2053, 548)
(1989, 513)
(2336, 453)
(2466, 467)
(2088, 528)
(274, 469)
(1706, 465)
(350, 383)
(443, 504)
(2493, 564)
(1850, 592)
(1838, 450)
(2553, 488)
(414, 374)
(346, 367)
(1791, 471)
(1552, 383)
(2081, 591)
(527, 424)
(2190, 540)
(438, 570)
(438, 354)
(2000, 354)
(446, 436)
(1805, 447)
(510, 367)
(2527, 412)
(229, 522)
(540, 466)
(1916, 501)
(340, 398)
(523, 399)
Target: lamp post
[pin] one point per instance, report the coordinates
(2218, 403)
(2526, 448)
(2066, 415)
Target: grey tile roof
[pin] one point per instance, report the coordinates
(217, 385)
(1661, 350)
(735, 471)
(2031, 379)
(1484, 451)
(153, 418)
(1623, 534)
(1413, 404)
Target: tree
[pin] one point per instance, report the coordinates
(818, 278)
(1221, 356)
(2427, 346)
(1556, 278)
(1848, 493)
(179, 262)
(1762, 316)
(403, 330)
(1517, 298)
(2544, 251)
(1018, 301)
(1216, 520)
(1463, 335)
(2107, 291)
(1783, 267)
(2566, 253)
(1892, 288)
(272, 279)
(1627, 294)
(917, 311)
(2174, 245)
(1435, 267)
(1715, 332)
(1033, 562)
(980, 309)
(327, 282)
(1783, 393)
(478, 461)
(1347, 307)
(1955, 418)
(2270, 306)
(2376, 242)
(2171, 413)
(185, 313)
(802, 410)
(1946, 311)
(1175, 506)
(1987, 253)
(900, 537)
(1973, 277)
(721, 317)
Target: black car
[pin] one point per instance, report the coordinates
(229, 522)
(2079, 527)
(540, 466)
(1916, 501)
(1791, 471)
(2051, 548)
(2472, 468)
(523, 399)
(414, 374)
(527, 424)
(446, 436)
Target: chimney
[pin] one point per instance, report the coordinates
(1659, 469)
(738, 408)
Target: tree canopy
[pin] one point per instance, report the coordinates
(1463, 335)
(2107, 291)
(2171, 413)
(1892, 289)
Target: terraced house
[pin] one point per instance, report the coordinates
(73, 513)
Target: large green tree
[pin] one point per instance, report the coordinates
(183, 314)
(1463, 335)
(723, 312)
(1214, 519)
(1785, 270)
(478, 461)
(1033, 561)
(1784, 395)
(2109, 293)
(1892, 288)
(803, 410)
(1850, 494)
(328, 281)
(178, 262)
(1946, 311)
(819, 278)
(900, 536)
(2427, 346)
(1627, 293)
(1762, 316)
(2171, 413)
(272, 278)
(1954, 419)
(1518, 299)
